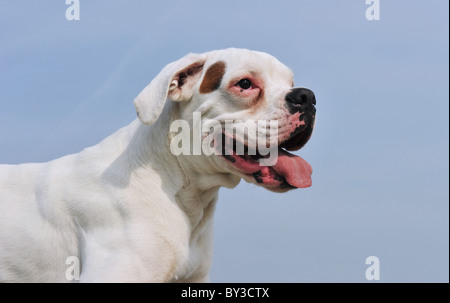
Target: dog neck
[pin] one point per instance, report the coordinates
(195, 187)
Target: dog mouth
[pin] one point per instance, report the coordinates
(288, 171)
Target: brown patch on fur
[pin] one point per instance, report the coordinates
(213, 78)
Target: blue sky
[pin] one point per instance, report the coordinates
(379, 150)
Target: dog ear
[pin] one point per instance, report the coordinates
(174, 82)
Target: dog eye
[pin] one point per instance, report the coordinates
(245, 84)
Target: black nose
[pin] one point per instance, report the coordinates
(301, 96)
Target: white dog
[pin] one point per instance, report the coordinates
(130, 210)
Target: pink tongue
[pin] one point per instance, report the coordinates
(294, 169)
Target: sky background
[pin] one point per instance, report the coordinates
(379, 150)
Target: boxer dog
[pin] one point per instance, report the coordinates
(130, 210)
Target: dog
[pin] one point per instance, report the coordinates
(129, 209)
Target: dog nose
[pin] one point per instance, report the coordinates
(301, 96)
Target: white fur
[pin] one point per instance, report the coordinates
(127, 208)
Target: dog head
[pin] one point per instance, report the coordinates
(244, 110)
